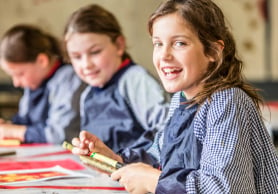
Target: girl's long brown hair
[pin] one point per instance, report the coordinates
(208, 21)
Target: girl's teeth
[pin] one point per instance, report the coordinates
(170, 70)
(167, 70)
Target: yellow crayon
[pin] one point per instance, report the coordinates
(97, 164)
(91, 161)
(107, 160)
(67, 145)
(9, 142)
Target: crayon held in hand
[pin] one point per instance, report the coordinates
(99, 157)
(96, 160)
(98, 164)
(107, 160)
(67, 145)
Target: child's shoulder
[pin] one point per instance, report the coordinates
(65, 75)
(230, 94)
(230, 99)
(65, 70)
(136, 71)
(137, 75)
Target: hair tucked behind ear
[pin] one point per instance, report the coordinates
(208, 22)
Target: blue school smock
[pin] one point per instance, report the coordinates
(51, 112)
(223, 148)
(127, 111)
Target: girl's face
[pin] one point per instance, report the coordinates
(94, 57)
(26, 75)
(178, 55)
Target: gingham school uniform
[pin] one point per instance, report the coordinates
(224, 147)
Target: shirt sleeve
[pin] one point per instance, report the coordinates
(225, 165)
(151, 155)
(146, 97)
(150, 104)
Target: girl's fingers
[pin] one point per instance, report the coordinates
(79, 151)
(75, 142)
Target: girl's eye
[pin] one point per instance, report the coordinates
(95, 52)
(157, 44)
(179, 44)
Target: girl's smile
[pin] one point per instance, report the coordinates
(95, 57)
(178, 55)
(171, 72)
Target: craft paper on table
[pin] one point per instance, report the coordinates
(23, 176)
(24, 165)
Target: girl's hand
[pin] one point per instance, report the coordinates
(12, 131)
(2, 121)
(88, 142)
(137, 178)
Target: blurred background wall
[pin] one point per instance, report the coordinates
(255, 29)
(52, 15)
(255, 33)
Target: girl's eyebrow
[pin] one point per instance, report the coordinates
(181, 36)
(88, 49)
(174, 37)
(93, 45)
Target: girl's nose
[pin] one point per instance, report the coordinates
(86, 62)
(166, 53)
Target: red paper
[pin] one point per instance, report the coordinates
(21, 165)
(64, 187)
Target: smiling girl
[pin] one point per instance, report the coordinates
(123, 103)
(215, 140)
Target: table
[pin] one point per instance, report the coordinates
(96, 182)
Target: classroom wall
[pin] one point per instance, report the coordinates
(274, 40)
(247, 25)
(52, 15)
(255, 36)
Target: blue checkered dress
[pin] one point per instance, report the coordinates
(236, 154)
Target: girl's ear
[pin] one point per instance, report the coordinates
(220, 44)
(218, 47)
(121, 45)
(42, 60)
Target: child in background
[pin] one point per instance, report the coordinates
(49, 108)
(215, 141)
(123, 103)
